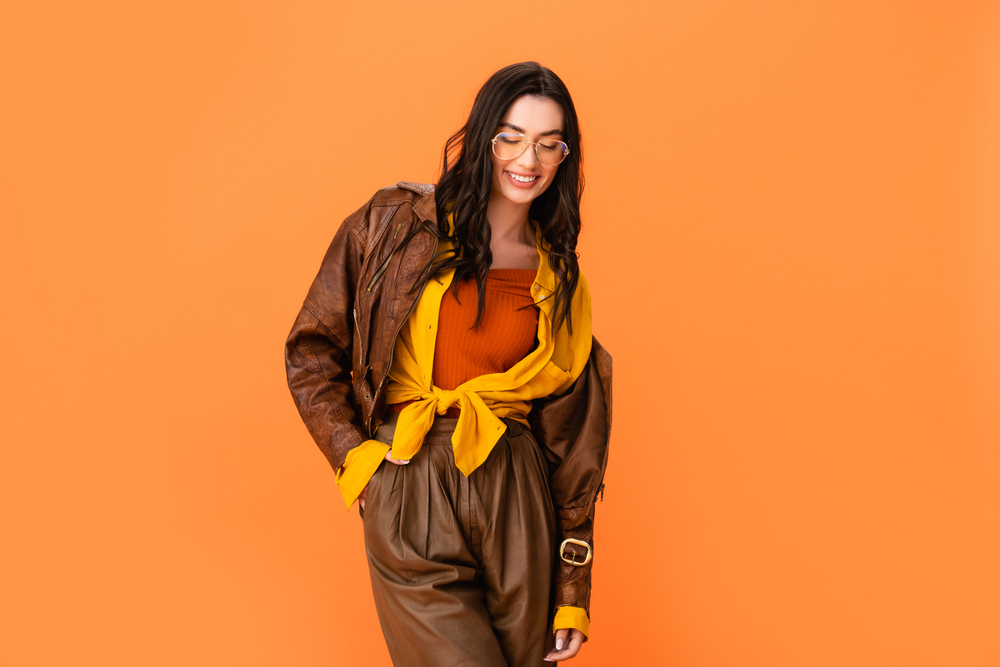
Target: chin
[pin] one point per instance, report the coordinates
(519, 196)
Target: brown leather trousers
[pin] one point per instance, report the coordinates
(461, 566)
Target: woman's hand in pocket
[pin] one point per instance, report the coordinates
(399, 462)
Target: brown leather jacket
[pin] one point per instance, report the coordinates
(339, 351)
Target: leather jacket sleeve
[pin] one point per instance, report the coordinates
(318, 350)
(573, 430)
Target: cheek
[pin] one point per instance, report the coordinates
(497, 174)
(550, 177)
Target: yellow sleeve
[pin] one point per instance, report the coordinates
(358, 468)
(572, 617)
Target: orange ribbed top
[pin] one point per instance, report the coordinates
(507, 333)
(504, 337)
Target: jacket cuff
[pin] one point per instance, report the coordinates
(572, 617)
(572, 582)
(358, 468)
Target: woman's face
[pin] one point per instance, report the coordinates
(523, 178)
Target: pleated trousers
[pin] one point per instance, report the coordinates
(461, 567)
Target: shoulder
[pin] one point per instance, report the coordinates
(415, 197)
(581, 295)
(582, 285)
(415, 200)
(403, 192)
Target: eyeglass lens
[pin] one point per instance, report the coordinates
(508, 145)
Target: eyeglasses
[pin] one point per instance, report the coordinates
(509, 145)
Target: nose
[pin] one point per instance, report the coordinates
(528, 160)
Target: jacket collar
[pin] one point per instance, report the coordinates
(425, 206)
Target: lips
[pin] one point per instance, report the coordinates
(521, 181)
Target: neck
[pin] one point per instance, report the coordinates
(508, 221)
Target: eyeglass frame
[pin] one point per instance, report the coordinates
(493, 148)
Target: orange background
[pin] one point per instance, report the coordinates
(792, 233)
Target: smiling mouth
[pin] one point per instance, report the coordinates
(522, 179)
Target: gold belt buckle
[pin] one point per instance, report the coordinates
(573, 561)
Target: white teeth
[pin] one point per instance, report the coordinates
(522, 179)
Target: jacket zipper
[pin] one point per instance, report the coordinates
(604, 466)
(384, 265)
(378, 273)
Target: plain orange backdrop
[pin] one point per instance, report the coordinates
(792, 234)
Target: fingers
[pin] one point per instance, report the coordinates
(561, 635)
(568, 643)
(399, 462)
(361, 496)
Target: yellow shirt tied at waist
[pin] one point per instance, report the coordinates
(551, 368)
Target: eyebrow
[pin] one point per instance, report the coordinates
(523, 131)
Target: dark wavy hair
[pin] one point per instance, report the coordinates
(466, 183)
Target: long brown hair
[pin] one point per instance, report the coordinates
(466, 183)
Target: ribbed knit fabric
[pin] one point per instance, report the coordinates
(504, 337)
(506, 334)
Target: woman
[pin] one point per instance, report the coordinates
(444, 363)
